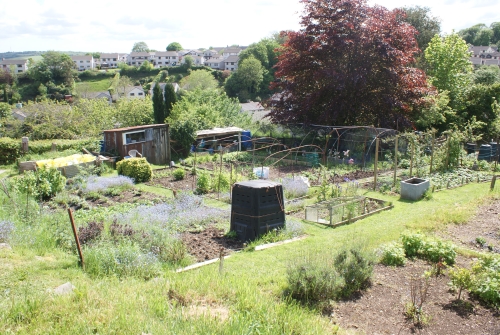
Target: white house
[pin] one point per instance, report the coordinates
(231, 63)
(137, 58)
(484, 55)
(210, 53)
(230, 52)
(18, 65)
(165, 58)
(111, 60)
(216, 63)
(83, 63)
(134, 92)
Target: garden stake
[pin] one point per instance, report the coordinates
(82, 264)
(375, 166)
(447, 151)
(492, 185)
(221, 260)
(395, 161)
(220, 175)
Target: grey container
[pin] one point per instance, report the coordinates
(414, 188)
(257, 207)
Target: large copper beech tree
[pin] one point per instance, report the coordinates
(351, 64)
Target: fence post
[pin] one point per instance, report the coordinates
(447, 151)
(395, 161)
(77, 241)
(375, 165)
(492, 185)
(411, 157)
(432, 152)
(253, 155)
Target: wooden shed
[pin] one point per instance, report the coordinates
(151, 141)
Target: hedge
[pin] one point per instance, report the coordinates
(11, 148)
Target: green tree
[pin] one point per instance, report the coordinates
(134, 112)
(251, 74)
(146, 66)
(188, 61)
(140, 47)
(495, 27)
(5, 109)
(487, 75)
(436, 113)
(54, 66)
(122, 84)
(449, 66)
(427, 25)
(199, 79)
(158, 104)
(170, 99)
(174, 46)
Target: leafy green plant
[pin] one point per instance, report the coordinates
(481, 241)
(355, 266)
(461, 278)
(203, 183)
(412, 244)
(393, 254)
(179, 174)
(437, 251)
(486, 285)
(137, 168)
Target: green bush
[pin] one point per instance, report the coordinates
(10, 149)
(412, 243)
(43, 183)
(321, 278)
(179, 174)
(486, 285)
(313, 279)
(203, 183)
(461, 278)
(222, 180)
(439, 251)
(136, 168)
(393, 254)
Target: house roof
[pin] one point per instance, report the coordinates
(82, 57)
(13, 61)
(131, 88)
(166, 53)
(251, 106)
(232, 58)
(160, 125)
(479, 49)
(232, 50)
(218, 131)
(491, 62)
(112, 55)
(141, 54)
(98, 95)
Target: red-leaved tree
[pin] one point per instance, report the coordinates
(351, 64)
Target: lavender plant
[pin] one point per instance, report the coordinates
(99, 184)
(6, 228)
(294, 187)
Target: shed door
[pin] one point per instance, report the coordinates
(149, 134)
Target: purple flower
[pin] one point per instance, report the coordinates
(96, 184)
(346, 179)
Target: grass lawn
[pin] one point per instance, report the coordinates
(95, 84)
(246, 298)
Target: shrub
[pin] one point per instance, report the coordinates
(90, 232)
(486, 285)
(393, 254)
(179, 174)
(221, 182)
(355, 266)
(10, 149)
(313, 279)
(461, 278)
(125, 259)
(135, 168)
(203, 183)
(412, 243)
(438, 251)
(44, 183)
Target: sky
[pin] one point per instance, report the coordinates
(114, 26)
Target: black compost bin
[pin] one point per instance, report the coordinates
(257, 207)
(484, 152)
(494, 151)
(471, 148)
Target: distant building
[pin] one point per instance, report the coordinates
(111, 60)
(83, 63)
(484, 55)
(18, 65)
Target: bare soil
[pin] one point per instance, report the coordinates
(186, 184)
(380, 309)
(209, 243)
(129, 196)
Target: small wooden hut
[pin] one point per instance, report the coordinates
(151, 141)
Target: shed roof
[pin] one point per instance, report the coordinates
(218, 131)
(160, 125)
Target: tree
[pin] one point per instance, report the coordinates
(174, 46)
(495, 27)
(188, 61)
(140, 47)
(427, 26)
(449, 66)
(134, 112)
(350, 64)
(199, 79)
(123, 83)
(170, 99)
(5, 109)
(146, 66)
(54, 66)
(158, 104)
(487, 75)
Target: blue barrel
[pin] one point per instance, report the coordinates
(102, 145)
(494, 151)
(246, 136)
(471, 148)
(484, 152)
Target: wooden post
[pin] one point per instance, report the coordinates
(432, 152)
(492, 185)
(70, 212)
(221, 260)
(220, 176)
(411, 157)
(253, 156)
(375, 165)
(25, 144)
(395, 161)
(53, 148)
(447, 151)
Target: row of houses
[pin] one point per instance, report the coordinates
(484, 55)
(225, 59)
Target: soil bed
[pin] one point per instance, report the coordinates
(207, 244)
